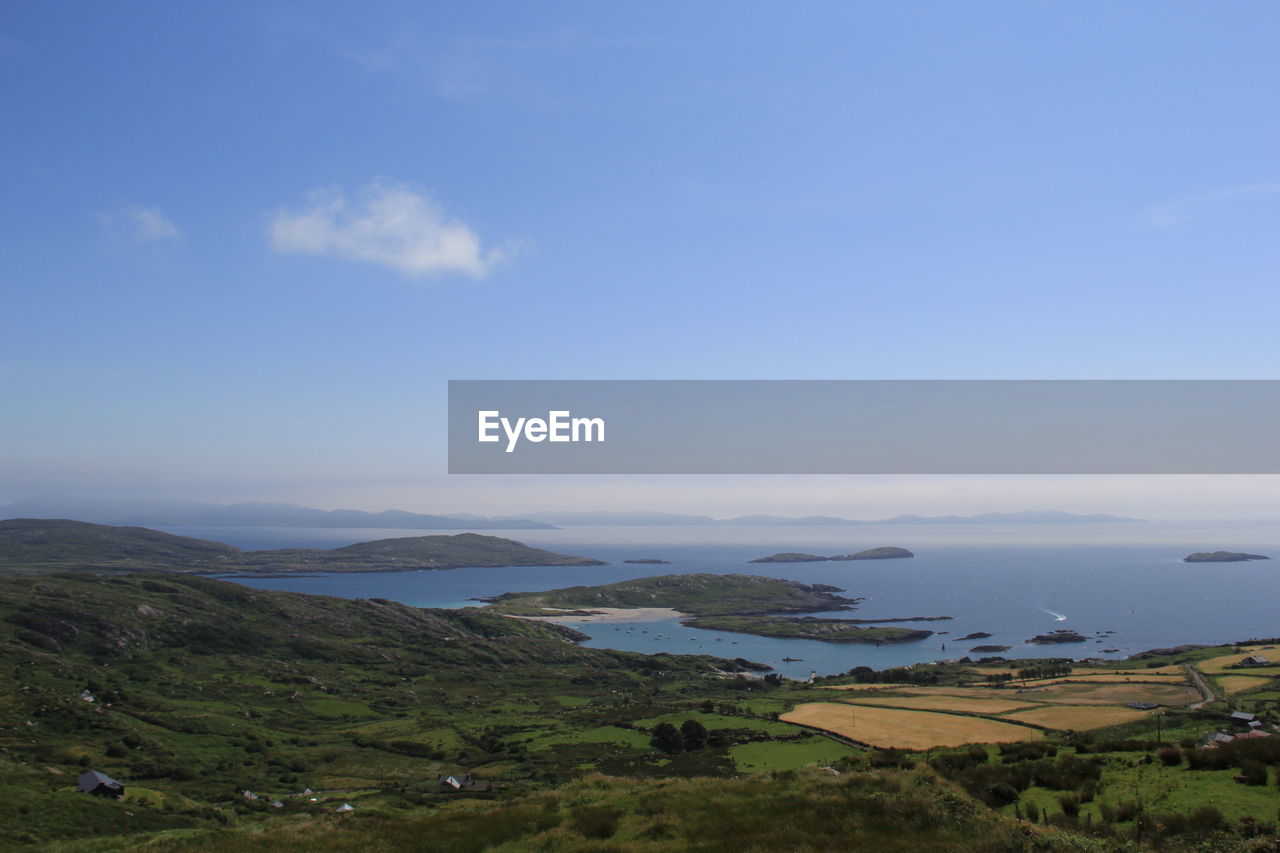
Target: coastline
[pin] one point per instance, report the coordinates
(613, 614)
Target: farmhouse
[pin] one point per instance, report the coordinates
(99, 784)
(1254, 660)
(461, 781)
(1242, 717)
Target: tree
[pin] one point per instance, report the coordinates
(667, 738)
(694, 734)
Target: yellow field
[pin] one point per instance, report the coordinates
(886, 727)
(966, 704)
(1223, 662)
(1009, 695)
(1113, 694)
(1078, 717)
(863, 686)
(1234, 684)
(1097, 671)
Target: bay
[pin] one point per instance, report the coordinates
(1011, 580)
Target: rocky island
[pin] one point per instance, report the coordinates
(886, 553)
(809, 628)
(1222, 557)
(1062, 635)
(649, 561)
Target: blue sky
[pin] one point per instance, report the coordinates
(243, 246)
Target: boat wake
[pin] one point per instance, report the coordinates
(1057, 617)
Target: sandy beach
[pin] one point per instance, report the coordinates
(616, 614)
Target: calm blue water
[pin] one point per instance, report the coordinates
(1009, 580)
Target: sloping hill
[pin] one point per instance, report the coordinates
(43, 545)
(57, 544)
(461, 550)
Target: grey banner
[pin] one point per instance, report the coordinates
(864, 427)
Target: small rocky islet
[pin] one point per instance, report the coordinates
(1222, 557)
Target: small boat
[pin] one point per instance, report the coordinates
(792, 660)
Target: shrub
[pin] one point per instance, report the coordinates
(597, 822)
(1169, 756)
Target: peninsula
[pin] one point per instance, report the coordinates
(747, 604)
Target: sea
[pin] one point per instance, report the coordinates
(1123, 585)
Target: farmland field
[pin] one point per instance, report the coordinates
(1234, 684)
(1222, 663)
(1078, 717)
(887, 727)
(962, 703)
(788, 755)
(1113, 694)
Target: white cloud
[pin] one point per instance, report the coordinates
(1171, 213)
(391, 225)
(142, 224)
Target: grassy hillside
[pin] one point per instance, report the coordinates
(884, 811)
(699, 594)
(191, 690)
(62, 544)
(43, 545)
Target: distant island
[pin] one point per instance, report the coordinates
(1221, 557)
(747, 604)
(649, 561)
(887, 553)
(48, 545)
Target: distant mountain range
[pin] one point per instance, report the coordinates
(603, 517)
(251, 514)
(258, 514)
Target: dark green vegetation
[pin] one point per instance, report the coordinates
(54, 544)
(192, 690)
(888, 811)
(43, 545)
(1221, 557)
(697, 594)
(808, 628)
(887, 553)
